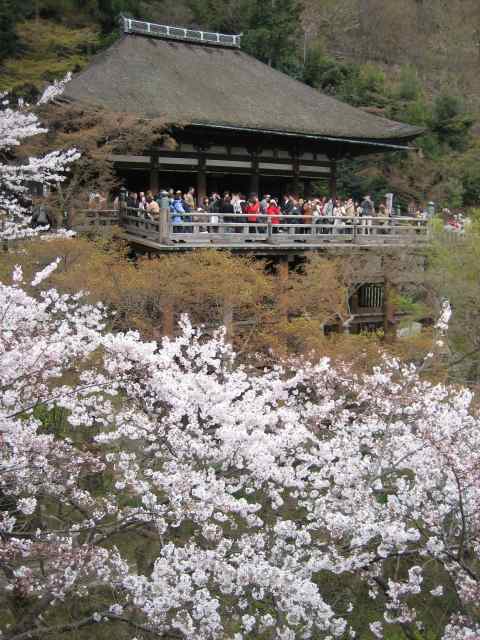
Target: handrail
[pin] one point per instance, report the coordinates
(204, 228)
(130, 25)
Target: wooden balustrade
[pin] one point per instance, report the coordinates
(227, 228)
(85, 220)
(205, 229)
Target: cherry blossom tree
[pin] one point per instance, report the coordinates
(17, 124)
(167, 491)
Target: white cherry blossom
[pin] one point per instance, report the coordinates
(204, 499)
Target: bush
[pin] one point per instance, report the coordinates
(451, 121)
(410, 87)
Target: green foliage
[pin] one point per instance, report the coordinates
(353, 180)
(360, 85)
(51, 50)
(409, 87)
(454, 192)
(470, 175)
(454, 274)
(106, 12)
(271, 29)
(413, 308)
(9, 42)
(323, 72)
(454, 178)
(451, 121)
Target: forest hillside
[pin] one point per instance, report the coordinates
(411, 60)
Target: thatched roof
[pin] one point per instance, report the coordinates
(187, 83)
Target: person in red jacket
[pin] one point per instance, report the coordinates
(273, 210)
(252, 211)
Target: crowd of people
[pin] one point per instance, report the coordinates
(455, 222)
(290, 209)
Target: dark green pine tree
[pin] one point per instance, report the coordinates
(9, 41)
(273, 32)
(226, 16)
(271, 28)
(109, 10)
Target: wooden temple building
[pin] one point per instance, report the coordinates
(239, 124)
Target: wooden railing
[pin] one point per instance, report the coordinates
(89, 220)
(130, 25)
(203, 229)
(228, 228)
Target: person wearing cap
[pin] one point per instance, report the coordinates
(264, 204)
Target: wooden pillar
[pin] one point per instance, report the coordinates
(201, 179)
(296, 173)
(255, 175)
(389, 329)
(164, 226)
(354, 302)
(389, 295)
(228, 320)
(282, 271)
(154, 185)
(167, 318)
(333, 179)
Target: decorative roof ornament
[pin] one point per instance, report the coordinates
(130, 25)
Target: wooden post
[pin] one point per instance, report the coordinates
(168, 318)
(254, 176)
(283, 286)
(389, 291)
(296, 173)
(122, 206)
(228, 320)
(269, 230)
(333, 179)
(2, 228)
(163, 226)
(154, 186)
(354, 302)
(201, 179)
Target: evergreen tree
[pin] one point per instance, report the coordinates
(270, 29)
(273, 32)
(9, 40)
(451, 121)
(109, 10)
